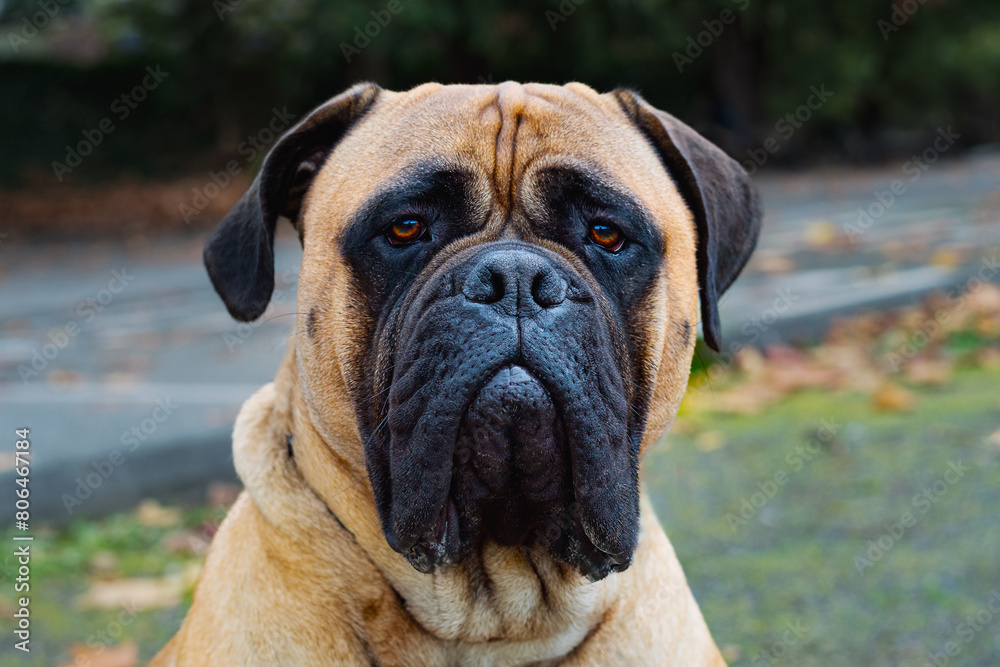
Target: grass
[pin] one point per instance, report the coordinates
(801, 555)
(64, 564)
(792, 564)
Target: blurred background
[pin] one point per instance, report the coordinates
(832, 482)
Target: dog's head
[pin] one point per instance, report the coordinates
(498, 300)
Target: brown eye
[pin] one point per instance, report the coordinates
(404, 231)
(606, 235)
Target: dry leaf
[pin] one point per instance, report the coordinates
(746, 399)
(62, 378)
(822, 233)
(141, 592)
(929, 371)
(125, 655)
(892, 398)
(988, 358)
(946, 259)
(194, 542)
(750, 362)
(222, 494)
(774, 264)
(154, 515)
(988, 325)
(984, 299)
(731, 652)
(709, 441)
(103, 562)
(138, 593)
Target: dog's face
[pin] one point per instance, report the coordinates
(497, 303)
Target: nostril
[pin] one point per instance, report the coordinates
(548, 289)
(484, 285)
(519, 280)
(497, 287)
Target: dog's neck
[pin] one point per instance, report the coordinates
(510, 599)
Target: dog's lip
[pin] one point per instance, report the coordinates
(443, 535)
(440, 545)
(427, 538)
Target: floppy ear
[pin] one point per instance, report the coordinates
(239, 254)
(720, 195)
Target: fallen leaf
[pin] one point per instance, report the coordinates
(222, 494)
(750, 362)
(61, 378)
(154, 515)
(989, 358)
(774, 264)
(994, 438)
(946, 259)
(892, 398)
(103, 562)
(140, 592)
(709, 441)
(822, 233)
(731, 652)
(125, 655)
(743, 399)
(194, 542)
(929, 371)
(988, 325)
(984, 299)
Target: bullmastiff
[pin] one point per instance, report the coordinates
(497, 310)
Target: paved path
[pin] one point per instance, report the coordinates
(122, 345)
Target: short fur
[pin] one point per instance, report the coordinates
(301, 572)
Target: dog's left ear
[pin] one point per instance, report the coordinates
(239, 254)
(720, 195)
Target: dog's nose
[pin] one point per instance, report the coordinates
(518, 282)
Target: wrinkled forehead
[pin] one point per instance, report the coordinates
(503, 135)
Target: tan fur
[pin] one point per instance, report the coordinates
(287, 583)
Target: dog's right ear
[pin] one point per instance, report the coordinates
(239, 254)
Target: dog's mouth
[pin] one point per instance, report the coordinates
(507, 420)
(512, 482)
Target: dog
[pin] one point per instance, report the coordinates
(497, 311)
